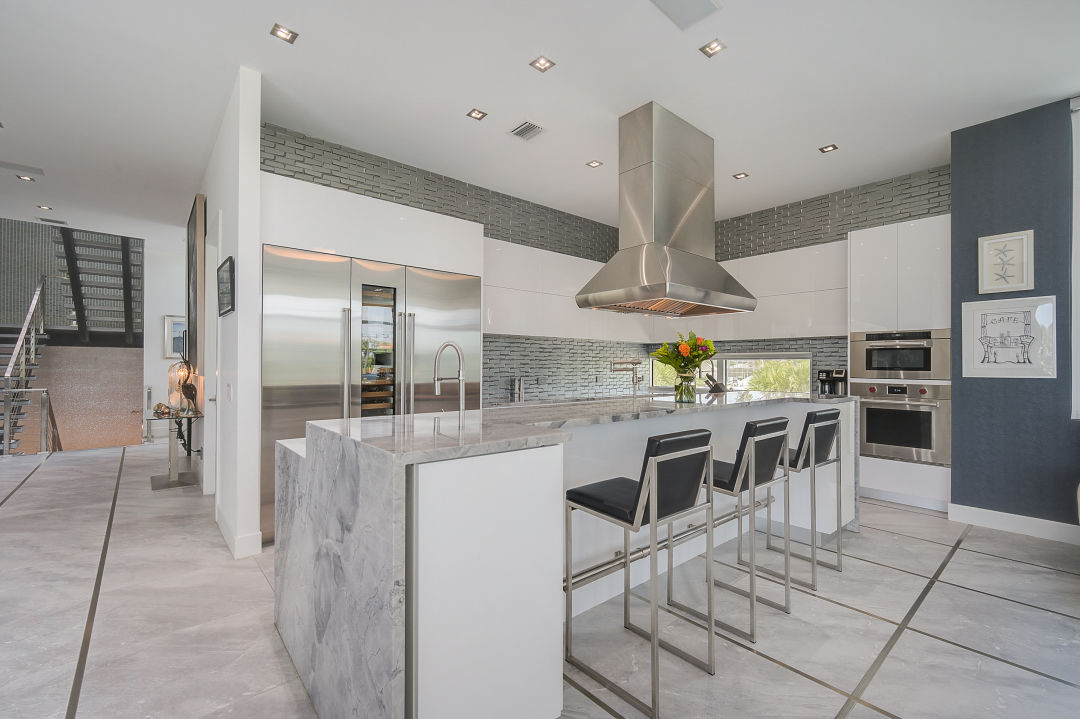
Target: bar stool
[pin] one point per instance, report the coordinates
(762, 448)
(675, 470)
(813, 452)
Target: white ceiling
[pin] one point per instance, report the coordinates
(119, 100)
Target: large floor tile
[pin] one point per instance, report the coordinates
(1023, 548)
(923, 677)
(15, 468)
(285, 701)
(578, 706)
(879, 590)
(899, 551)
(1038, 586)
(745, 684)
(1034, 638)
(913, 524)
(823, 639)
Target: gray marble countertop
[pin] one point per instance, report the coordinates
(439, 436)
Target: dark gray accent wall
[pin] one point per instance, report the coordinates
(828, 218)
(1015, 449)
(292, 154)
(557, 368)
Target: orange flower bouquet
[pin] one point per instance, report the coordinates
(685, 357)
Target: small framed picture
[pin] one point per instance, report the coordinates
(175, 327)
(1010, 338)
(1007, 262)
(226, 287)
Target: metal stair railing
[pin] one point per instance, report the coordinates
(16, 379)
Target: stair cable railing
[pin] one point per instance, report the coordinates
(17, 375)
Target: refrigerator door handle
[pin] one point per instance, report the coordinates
(399, 362)
(411, 343)
(346, 315)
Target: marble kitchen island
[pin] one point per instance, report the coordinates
(418, 560)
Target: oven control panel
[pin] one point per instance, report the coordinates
(902, 392)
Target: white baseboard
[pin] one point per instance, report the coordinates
(1031, 526)
(908, 499)
(241, 545)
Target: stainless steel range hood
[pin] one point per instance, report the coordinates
(666, 260)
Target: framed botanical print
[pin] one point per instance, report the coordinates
(1007, 262)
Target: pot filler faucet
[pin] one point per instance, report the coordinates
(460, 373)
(635, 378)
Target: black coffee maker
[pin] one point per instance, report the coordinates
(832, 382)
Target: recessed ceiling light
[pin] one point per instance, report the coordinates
(827, 148)
(711, 48)
(741, 175)
(543, 64)
(476, 114)
(44, 207)
(283, 33)
(25, 178)
(594, 163)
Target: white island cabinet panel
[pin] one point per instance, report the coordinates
(872, 284)
(924, 287)
(488, 581)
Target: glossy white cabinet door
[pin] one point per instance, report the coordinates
(925, 284)
(872, 279)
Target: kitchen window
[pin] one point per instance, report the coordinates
(762, 372)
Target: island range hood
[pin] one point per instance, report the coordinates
(666, 260)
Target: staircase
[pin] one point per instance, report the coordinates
(102, 283)
(20, 352)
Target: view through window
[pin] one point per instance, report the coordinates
(761, 373)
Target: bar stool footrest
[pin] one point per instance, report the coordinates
(664, 644)
(724, 626)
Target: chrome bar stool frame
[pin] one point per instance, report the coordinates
(647, 498)
(805, 459)
(747, 473)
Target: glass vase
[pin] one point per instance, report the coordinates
(685, 388)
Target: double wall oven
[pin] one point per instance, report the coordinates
(902, 382)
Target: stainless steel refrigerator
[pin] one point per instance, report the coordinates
(343, 335)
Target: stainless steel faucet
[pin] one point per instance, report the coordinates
(635, 378)
(460, 373)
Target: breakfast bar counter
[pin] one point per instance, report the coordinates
(420, 557)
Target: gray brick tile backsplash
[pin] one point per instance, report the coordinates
(828, 218)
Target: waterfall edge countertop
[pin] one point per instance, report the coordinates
(440, 436)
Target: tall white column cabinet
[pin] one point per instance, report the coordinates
(899, 276)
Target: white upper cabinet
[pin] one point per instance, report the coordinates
(925, 285)
(872, 279)
(899, 276)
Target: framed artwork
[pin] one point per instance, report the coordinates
(175, 326)
(1010, 338)
(196, 279)
(1007, 262)
(226, 287)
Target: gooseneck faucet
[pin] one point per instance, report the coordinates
(460, 373)
(635, 378)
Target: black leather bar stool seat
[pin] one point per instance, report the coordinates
(676, 472)
(763, 446)
(820, 433)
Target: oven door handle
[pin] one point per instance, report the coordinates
(899, 402)
(899, 343)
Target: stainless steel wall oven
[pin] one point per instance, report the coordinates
(905, 420)
(916, 355)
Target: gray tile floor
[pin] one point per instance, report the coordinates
(925, 620)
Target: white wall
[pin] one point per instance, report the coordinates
(164, 258)
(231, 185)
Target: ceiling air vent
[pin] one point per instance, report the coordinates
(527, 130)
(53, 222)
